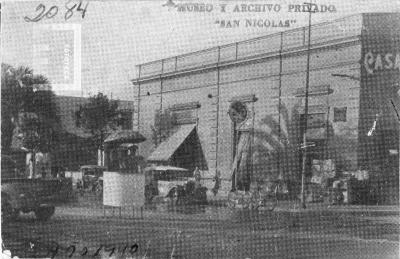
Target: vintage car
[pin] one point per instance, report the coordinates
(174, 184)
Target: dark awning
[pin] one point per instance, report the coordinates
(314, 90)
(124, 136)
(167, 148)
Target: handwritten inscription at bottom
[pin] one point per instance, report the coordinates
(54, 249)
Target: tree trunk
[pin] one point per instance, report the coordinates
(34, 164)
(101, 149)
(101, 156)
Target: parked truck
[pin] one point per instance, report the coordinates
(20, 194)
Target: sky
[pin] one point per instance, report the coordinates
(100, 51)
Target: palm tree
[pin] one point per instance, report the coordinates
(276, 151)
(28, 109)
(20, 93)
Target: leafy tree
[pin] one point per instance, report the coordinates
(98, 117)
(163, 127)
(28, 109)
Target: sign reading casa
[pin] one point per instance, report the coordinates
(374, 62)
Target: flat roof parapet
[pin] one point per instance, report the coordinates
(285, 41)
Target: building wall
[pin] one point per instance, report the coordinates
(263, 81)
(379, 144)
(262, 78)
(380, 86)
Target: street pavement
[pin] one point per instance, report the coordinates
(320, 231)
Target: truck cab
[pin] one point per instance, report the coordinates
(21, 194)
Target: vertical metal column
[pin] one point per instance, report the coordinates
(161, 108)
(217, 119)
(138, 109)
(304, 162)
(138, 106)
(327, 126)
(252, 141)
(161, 85)
(279, 100)
(234, 150)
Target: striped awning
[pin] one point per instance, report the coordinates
(167, 148)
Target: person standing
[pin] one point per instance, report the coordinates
(217, 180)
(197, 177)
(30, 168)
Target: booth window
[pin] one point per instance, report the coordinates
(339, 114)
(125, 119)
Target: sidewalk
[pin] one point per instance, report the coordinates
(382, 214)
(295, 207)
(220, 201)
(215, 214)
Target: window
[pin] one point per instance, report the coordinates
(339, 114)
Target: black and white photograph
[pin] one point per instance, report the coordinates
(234, 129)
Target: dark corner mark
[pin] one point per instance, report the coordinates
(169, 4)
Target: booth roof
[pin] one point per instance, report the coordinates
(165, 168)
(124, 136)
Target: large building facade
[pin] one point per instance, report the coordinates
(352, 101)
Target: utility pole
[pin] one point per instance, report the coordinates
(304, 162)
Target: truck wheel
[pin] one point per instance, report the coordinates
(44, 213)
(7, 212)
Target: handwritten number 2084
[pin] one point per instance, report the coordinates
(50, 13)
